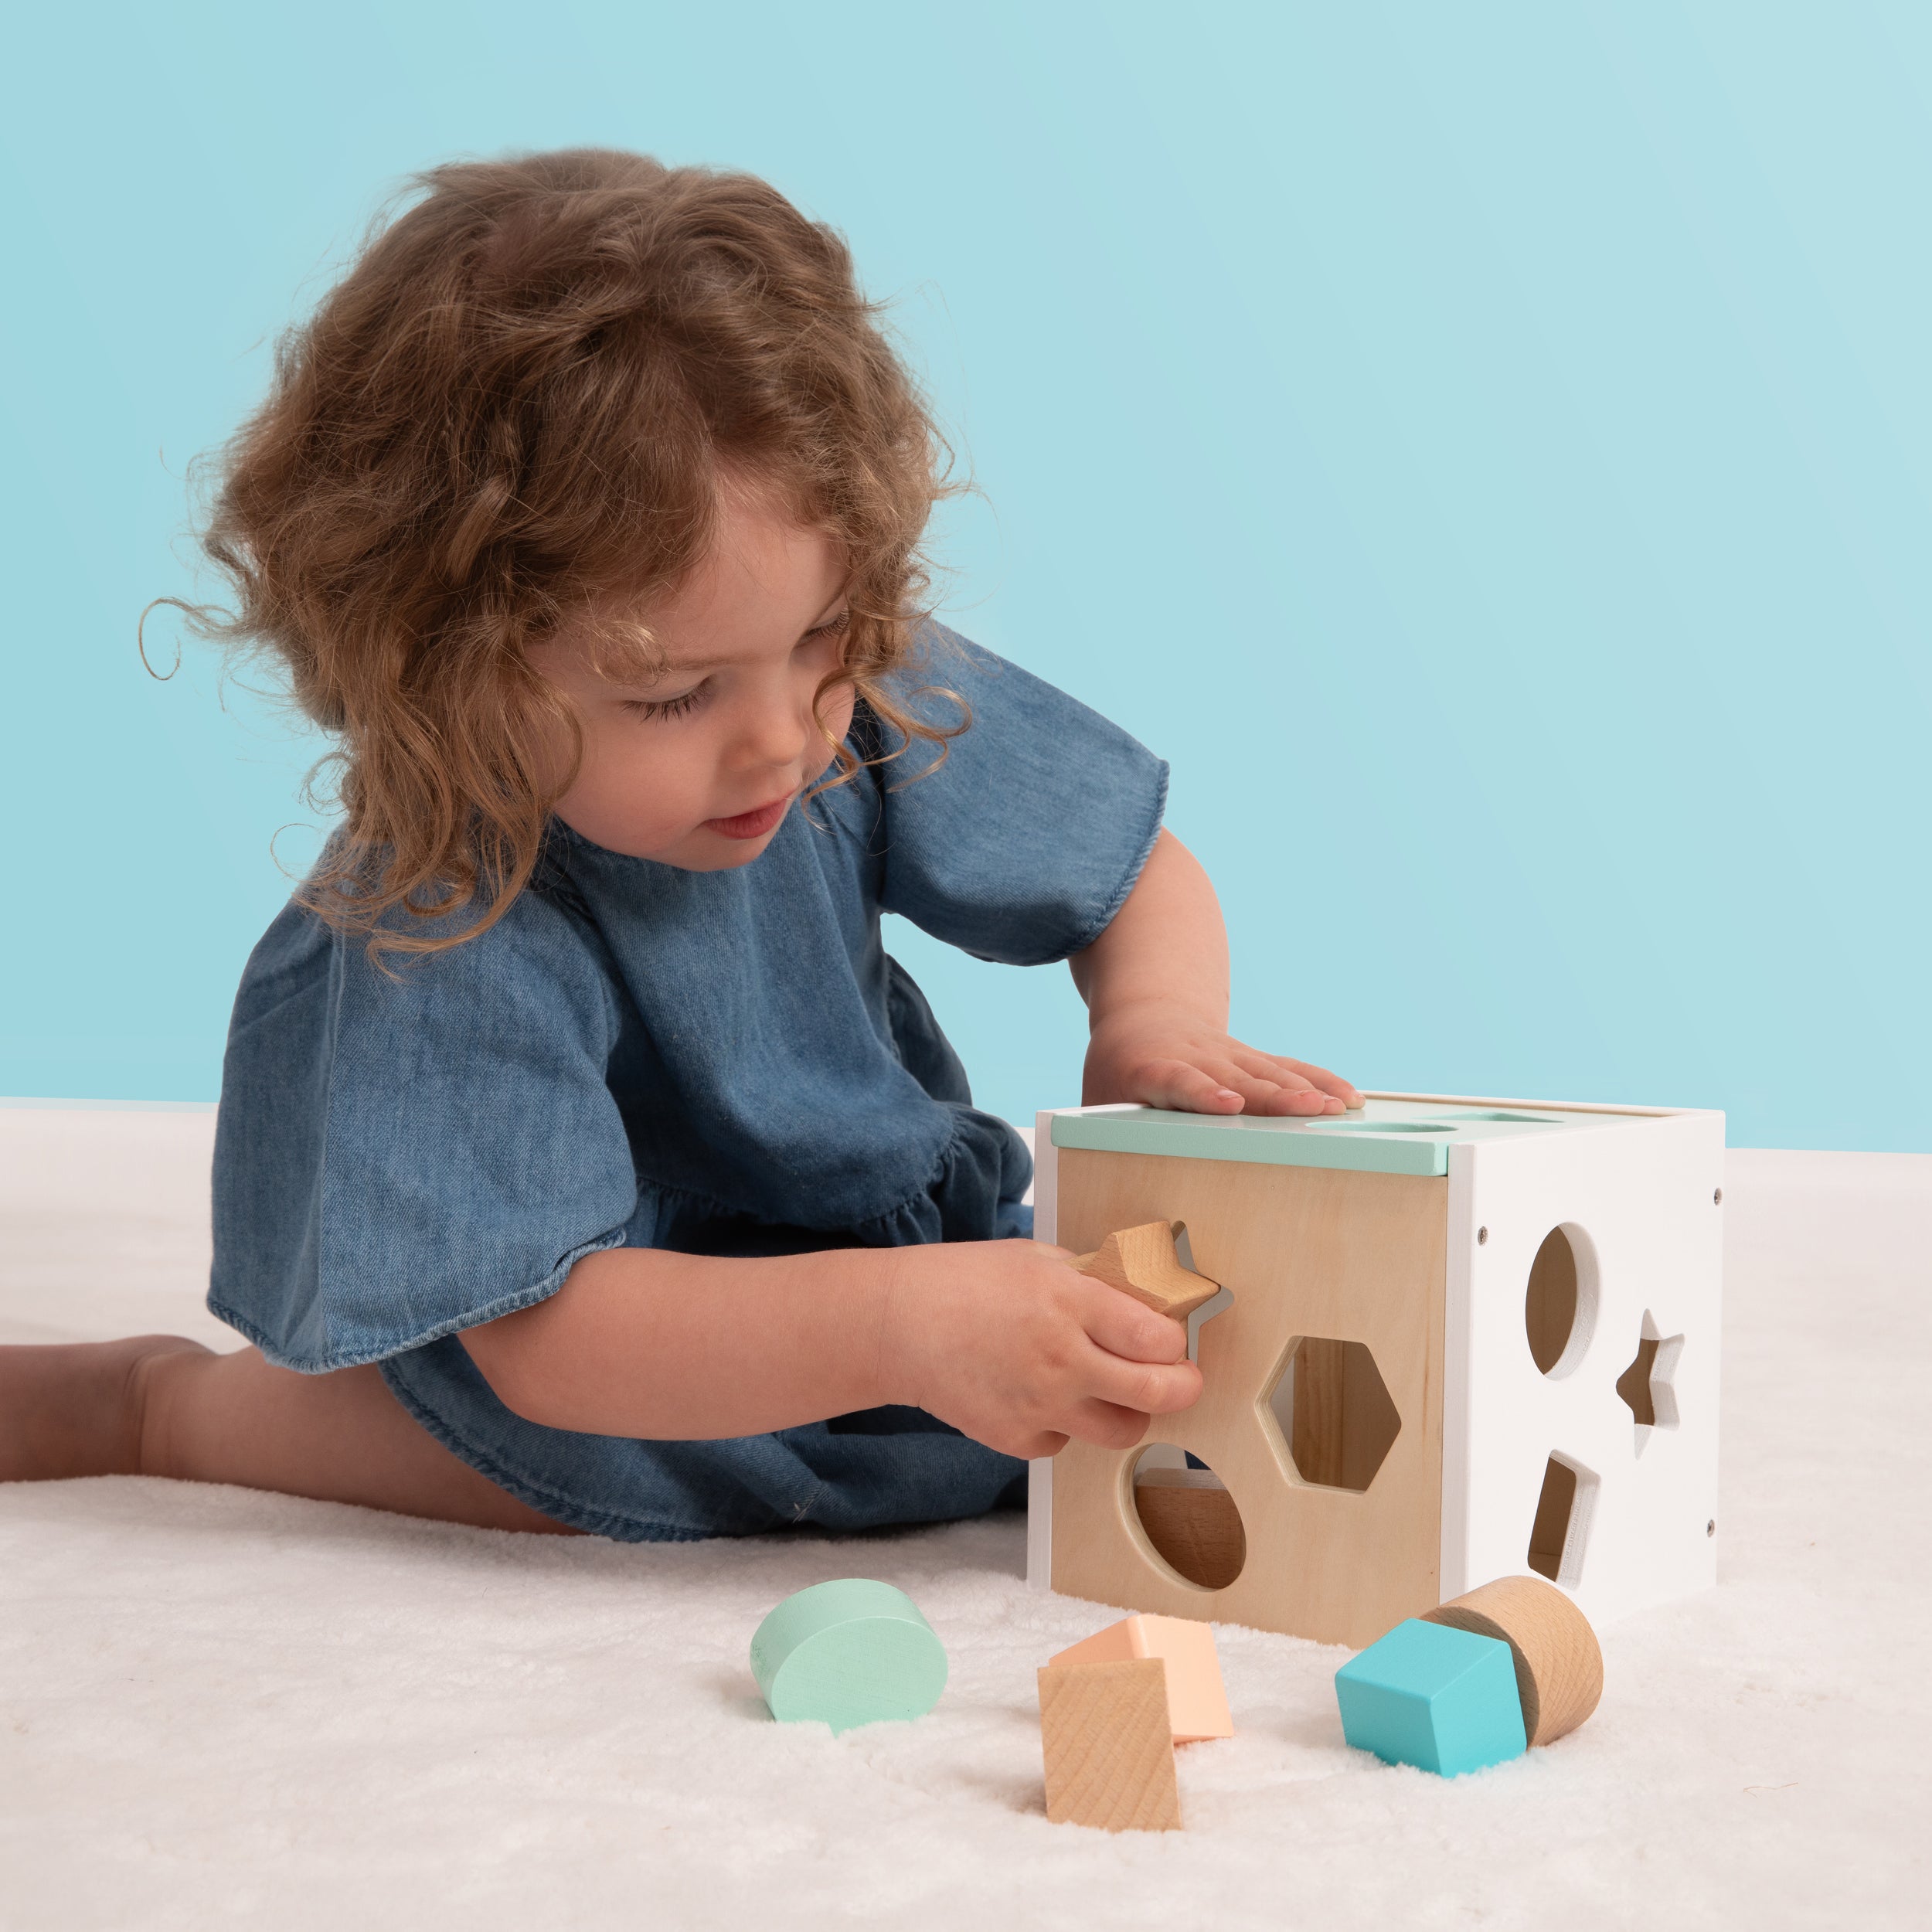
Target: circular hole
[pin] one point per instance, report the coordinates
(1710, 1528)
(1482, 1237)
(1185, 1511)
(1559, 1307)
(1717, 1197)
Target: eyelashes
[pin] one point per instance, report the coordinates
(687, 701)
(680, 706)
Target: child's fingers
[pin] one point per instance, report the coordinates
(1107, 1426)
(1185, 1088)
(1345, 1091)
(1296, 1074)
(1301, 1099)
(1154, 1388)
(1266, 1088)
(1129, 1329)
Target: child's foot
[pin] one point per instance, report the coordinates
(76, 1409)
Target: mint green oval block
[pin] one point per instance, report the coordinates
(847, 1653)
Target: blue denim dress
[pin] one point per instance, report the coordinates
(723, 1063)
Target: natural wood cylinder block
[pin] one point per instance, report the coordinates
(1560, 1669)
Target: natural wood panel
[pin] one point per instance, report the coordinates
(1303, 1251)
(1343, 1421)
(1197, 1529)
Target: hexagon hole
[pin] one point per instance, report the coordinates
(1559, 1305)
(1335, 1411)
(1189, 1516)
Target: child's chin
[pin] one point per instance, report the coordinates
(711, 851)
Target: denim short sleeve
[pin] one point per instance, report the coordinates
(399, 1157)
(1025, 841)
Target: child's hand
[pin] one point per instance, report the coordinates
(1164, 1055)
(1008, 1342)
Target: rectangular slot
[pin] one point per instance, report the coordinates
(1559, 1535)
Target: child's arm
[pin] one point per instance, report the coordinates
(1004, 1339)
(1156, 987)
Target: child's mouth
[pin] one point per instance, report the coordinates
(751, 824)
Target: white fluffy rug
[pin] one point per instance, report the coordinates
(222, 1708)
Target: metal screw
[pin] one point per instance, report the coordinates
(1710, 1528)
(1717, 1197)
(1482, 1237)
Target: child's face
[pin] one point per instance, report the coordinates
(698, 768)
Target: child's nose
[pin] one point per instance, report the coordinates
(778, 735)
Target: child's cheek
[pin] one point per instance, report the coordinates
(836, 712)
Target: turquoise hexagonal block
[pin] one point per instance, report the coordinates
(854, 1651)
(1443, 1700)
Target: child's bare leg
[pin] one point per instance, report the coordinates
(158, 1406)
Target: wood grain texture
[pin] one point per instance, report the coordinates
(1560, 1668)
(1109, 1753)
(1344, 1421)
(1141, 1261)
(1197, 1699)
(1303, 1251)
(1195, 1527)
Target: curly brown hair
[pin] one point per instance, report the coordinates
(524, 396)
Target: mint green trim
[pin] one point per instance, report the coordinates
(1387, 1137)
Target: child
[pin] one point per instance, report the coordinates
(583, 1161)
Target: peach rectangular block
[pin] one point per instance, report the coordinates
(1197, 1703)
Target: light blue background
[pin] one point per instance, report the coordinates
(1486, 447)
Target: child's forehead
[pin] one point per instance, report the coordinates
(756, 592)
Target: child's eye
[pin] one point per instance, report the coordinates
(686, 702)
(832, 627)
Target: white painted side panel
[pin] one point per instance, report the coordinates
(1651, 1247)
(1039, 1472)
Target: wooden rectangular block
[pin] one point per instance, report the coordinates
(1197, 1701)
(1109, 1752)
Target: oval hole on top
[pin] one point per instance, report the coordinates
(1186, 1513)
(1560, 1308)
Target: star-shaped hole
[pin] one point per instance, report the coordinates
(1648, 1385)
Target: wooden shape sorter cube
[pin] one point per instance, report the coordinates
(1457, 1339)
